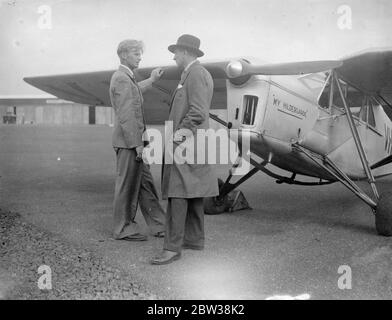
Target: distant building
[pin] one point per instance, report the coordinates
(48, 110)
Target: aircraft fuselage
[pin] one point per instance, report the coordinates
(279, 111)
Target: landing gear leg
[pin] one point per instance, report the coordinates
(383, 208)
(228, 200)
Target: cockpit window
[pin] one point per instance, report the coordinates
(355, 99)
(315, 82)
(324, 97)
(250, 106)
(371, 120)
(360, 104)
(364, 112)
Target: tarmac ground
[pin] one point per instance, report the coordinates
(58, 181)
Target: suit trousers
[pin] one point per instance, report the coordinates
(184, 224)
(135, 185)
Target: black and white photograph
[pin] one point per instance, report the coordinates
(209, 152)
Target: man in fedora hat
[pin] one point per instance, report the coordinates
(134, 183)
(185, 184)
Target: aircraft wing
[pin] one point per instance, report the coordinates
(92, 88)
(370, 71)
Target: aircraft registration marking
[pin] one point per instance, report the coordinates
(289, 109)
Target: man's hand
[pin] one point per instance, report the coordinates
(156, 74)
(139, 153)
(178, 137)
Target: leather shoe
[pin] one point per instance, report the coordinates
(166, 257)
(160, 234)
(135, 237)
(192, 247)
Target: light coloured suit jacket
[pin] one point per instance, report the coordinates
(126, 99)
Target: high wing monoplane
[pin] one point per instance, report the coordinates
(322, 119)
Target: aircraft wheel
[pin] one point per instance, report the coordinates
(214, 206)
(384, 215)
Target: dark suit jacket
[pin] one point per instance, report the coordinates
(189, 109)
(127, 100)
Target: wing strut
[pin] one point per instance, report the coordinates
(333, 170)
(383, 99)
(357, 139)
(382, 162)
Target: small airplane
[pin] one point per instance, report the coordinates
(327, 120)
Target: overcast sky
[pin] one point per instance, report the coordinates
(82, 35)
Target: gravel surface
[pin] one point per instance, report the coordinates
(61, 179)
(77, 273)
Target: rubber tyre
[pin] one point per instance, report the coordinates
(384, 215)
(211, 206)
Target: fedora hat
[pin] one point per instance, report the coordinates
(189, 42)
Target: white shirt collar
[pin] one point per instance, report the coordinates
(189, 65)
(128, 70)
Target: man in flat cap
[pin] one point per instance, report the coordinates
(185, 184)
(134, 183)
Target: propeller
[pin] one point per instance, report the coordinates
(240, 68)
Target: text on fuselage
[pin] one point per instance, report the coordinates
(289, 109)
